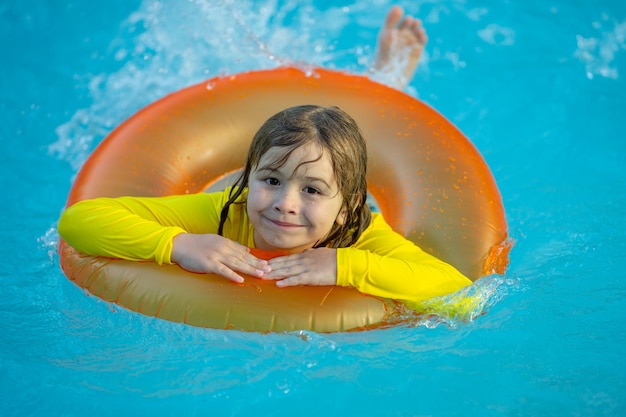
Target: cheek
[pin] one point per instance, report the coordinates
(331, 214)
(256, 199)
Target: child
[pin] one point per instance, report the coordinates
(302, 193)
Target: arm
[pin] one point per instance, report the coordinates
(385, 264)
(382, 263)
(135, 228)
(178, 229)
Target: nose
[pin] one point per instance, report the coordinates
(286, 201)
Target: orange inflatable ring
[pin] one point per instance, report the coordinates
(429, 181)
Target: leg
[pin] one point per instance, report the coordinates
(400, 46)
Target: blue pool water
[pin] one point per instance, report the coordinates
(538, 86)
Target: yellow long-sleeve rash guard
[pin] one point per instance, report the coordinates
(381, 263)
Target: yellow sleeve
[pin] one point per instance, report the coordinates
(138, 228)
(385, 264)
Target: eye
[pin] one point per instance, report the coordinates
(311, 190)
(272, 181)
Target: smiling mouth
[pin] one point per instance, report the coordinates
(284, 224)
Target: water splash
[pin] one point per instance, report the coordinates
(598, 52)
(460, 308)
(495, 34)
(50, 242)
(163, 47)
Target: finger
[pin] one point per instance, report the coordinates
(306, 278)
(288, 266)
(240, 259)
(254, 262)
(257, 263)
(228, 273)
(252, 267)
(303, 279)
(283, 272)
(422, 36)
(407, 24)
(238, 250)
(393, 17)
(289, 282)
(418, 30)
(288, 259)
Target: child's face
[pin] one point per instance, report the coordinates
(295, 206)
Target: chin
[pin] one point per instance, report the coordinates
(290, 249)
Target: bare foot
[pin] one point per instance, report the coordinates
(400, 46)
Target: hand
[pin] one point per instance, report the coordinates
(312, 267)
(216, 254)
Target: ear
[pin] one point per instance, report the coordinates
(341, 217)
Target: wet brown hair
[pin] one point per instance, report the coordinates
(339, 136)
